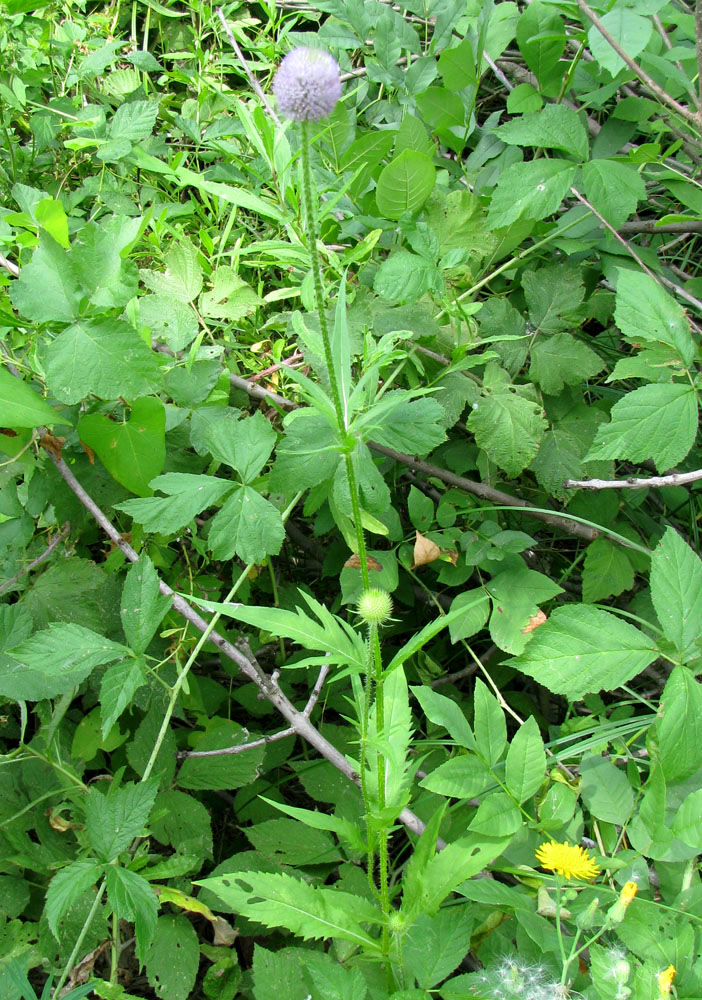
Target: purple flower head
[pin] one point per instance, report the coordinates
(307, 85)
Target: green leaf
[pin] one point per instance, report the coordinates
(62, 656)
(406, 277)
(182, 279)
(676, 589)
(445, 114)
(435, 946)
(134, 120)
(461, 777)
(51, 216)
(415, 426)
(457, 65)
(560, 360)
(331, 980)
(112, 821)
(141, 747)
(245, 445)
(143, 606)
(169, 320)
(307, 455)
(508, 428)
(230, 297)
(554, 294)
(119, 684)
(109, 280)
(581, 650)
(475, 605)
(489, 724)
(132, 898)
(645, 311)
(133, 452)
(606, 791)
(48, 289)
(182, 822)
(630, 30)
(21, 406)
(421, 638)
(541, 39)
(555, 127)
(343, 828)
(405, 184)
(444, 712)
(607, 571)
(311, 912)
(66, 887)
(688, 820)
(186, 496)
(516, 595)
(532, 190)
(614, 189)
(679, 725)
(173, 958)
(293, 843)
(227, 770)
(247, 526)
(106, 358)
(525, 767)
(655, 421)
(497, 816)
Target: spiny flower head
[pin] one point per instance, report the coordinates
(569, 861)
(307, 85)
(375, 606)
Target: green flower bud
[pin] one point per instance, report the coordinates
(375, 606)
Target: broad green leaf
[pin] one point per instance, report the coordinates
(556, 127)
(688, 820)
(415, 426)
(676, 589)
(66, 887)
(59, 658)
(230, 297)
(48, 289)
(133, 899)
(119, 684)
(406, 277)
(247, 526)
(335, 638)
(458, 220)
(606, 791)
(245, 445)
(489, 724)
(105, 358)
(655, 421)
(134, 120)
(405, 184)
(143, 606)
(169, 320)
(525, 766)
(112, 821)
(475, 605)
(679, 725)
(442, 711)
(420, 509)
(561, 359)
(629, 29)
(457, 65)
(21, 406)
(561, 455)
(186, 496)
(226, 770)
(645, 311)
(51, 216)
(435, 946)
(614, 188)
(497, 816)
(445, 115)
(508, 427)
(582, 650)
(332, 980)
(173, 958)
(554, 294)
(461, 777)
(311, 912)
(516, 595)
(182, 279)
(181, 821)
(98, 256)
(607, 571)
(532, 190)
(307, 455)
(541, 39)
(293, 843)
(133, 452)
(280, 973)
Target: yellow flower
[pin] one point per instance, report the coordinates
(572, 862)
(665, 981)
(617, 912)
(629, 890)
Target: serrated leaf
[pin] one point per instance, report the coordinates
(497, 816)
(132, 898)
(508, 427)
(489, 724)
(173, 958)
(48, 289)
(307, 455)
(655, 421)
(676, 589)
(106, 358)
(630, 30)
(229, 298)
(143, 606)
(525, 766)
(404, 424)
(541, 39)
(66, 887)
(119, 684)
(245, 445)
(613, 188)
(134, 120)
(645, 311)
(406, 277)
(171, 321)
(182, 279)
(226, 770)
(21, 406)
(311, 912)
(133, 452)
(581, 650)
(65, 654)
(562, 360)
(435, 946)
(183, 822)
(405, 184)
(187, 495)
(555, 127)
(247, 526)
(112, 821)
(516, 595)
(532, 190)
(553, 294)
(679, 725)
(607, 571)
(461, 777)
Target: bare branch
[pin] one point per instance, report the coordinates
(640, 226)
(633, 482)
(239, 748)
(245, 66)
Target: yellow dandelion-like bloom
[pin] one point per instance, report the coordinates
(569, 861)
(629, 890)
(665, 981)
